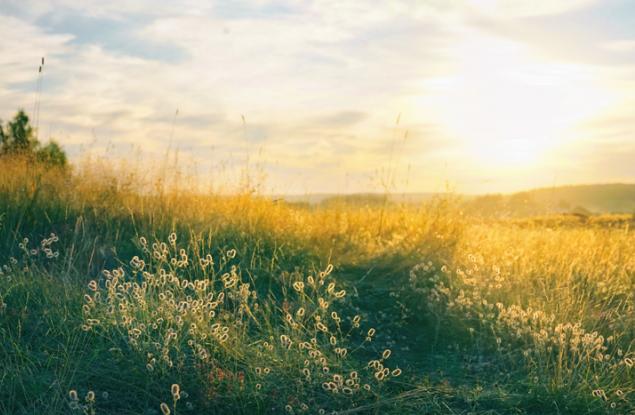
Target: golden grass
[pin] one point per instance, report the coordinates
(263, 304)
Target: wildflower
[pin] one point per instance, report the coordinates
(285, 341)
(137, 263)
(165, 410)
(72, 394)
(176, 392)
(599, 393)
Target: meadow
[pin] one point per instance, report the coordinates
(121, 294)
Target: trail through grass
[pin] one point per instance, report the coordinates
(255, 306)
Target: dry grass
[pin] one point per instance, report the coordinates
(252, 305)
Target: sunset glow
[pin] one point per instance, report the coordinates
(509, 108)
(494, 95)
(266, 207)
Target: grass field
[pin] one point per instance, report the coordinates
(116, 299)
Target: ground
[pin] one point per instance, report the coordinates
(124, 301)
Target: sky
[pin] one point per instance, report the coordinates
(335, 96)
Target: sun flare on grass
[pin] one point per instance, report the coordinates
(325, 207)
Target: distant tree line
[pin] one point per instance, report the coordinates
(17, 137)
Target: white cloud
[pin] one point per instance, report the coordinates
(622, 45)
(320, 83)
(505, 9)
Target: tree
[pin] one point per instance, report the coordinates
(2, 136)
(51, 154)
(18, 137)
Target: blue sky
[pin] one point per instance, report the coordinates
(494, 95)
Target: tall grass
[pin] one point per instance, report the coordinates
(553, 304)
(136, 292)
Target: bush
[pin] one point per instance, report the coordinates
(18, 137)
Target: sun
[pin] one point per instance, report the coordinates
(507, 107)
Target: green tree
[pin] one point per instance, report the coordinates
(2, 137)
(52, 154)
(18, 137)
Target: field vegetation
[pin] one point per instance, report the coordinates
(122, 293)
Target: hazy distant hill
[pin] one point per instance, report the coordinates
(585, 199)
(324, 199)
(597, 198)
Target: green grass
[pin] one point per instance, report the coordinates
(138, 334)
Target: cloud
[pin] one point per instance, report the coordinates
(319, 83)
(621, 46)
(341, 119)
(506, 9)
(116, 35)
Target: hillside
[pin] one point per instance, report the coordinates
(580, 199)
(585, 199)
(119, 302)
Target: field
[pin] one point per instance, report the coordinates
(119, 296)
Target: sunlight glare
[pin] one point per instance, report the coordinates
(509, 108)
